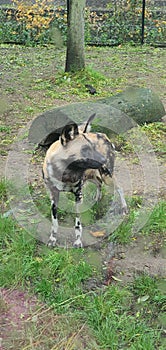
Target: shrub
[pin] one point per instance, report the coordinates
(34, 17)
(37, 22)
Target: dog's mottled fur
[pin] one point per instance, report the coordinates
(76, 157)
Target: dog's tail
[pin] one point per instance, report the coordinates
(88, 123)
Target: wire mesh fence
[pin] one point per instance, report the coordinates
(136, 21)
(126, 21)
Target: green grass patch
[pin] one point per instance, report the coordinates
(74, 83)
(5, 128)
(56, 275)
(124, 317)
(157, 221)
(3, 185)
(115, 323)
(4, 202)
(155, 132)
(123, 233)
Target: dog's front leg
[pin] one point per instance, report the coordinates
(78, 226)
(78, 233)
(54, 228)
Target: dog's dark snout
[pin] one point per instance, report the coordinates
(99, 158)
(103, 159)
(91, 158)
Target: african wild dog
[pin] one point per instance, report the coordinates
(76, 157)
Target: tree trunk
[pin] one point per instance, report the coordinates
(75, 59)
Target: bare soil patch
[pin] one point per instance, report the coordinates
(25, 324)
(26, 92)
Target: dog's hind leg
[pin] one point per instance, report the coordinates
(111, 181)
(54, 228)
(123, 201)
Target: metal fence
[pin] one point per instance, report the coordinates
(137, 21)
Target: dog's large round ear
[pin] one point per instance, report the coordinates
(88, 123)
(69, 132)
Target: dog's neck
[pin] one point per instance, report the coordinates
(65, 179)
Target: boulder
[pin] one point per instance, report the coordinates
(116, 114)
(47, 127)
(141, 104)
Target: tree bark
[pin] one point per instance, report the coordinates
(75, 57)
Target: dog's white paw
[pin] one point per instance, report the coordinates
(52, 241)
(78, 243)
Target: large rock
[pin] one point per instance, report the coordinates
(115, 114)
(141, 104)
(46, 128)
(46, 124)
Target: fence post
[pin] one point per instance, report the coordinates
(143, 22)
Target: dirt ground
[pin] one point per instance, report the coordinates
(19, 105)
(16, 308)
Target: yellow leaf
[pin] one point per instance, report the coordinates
(97, 233)
(116, 279)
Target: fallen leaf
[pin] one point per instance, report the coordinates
(97, 233)
(143, 299)
(116, 279)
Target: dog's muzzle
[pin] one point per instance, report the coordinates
(86, 164)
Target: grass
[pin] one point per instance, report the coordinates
(116, 326)
(25, 263)
(3, 185)
(77, 310)
(157, 222)
(124, 317)
(117, 317)
(74, 83)
(5, 128)
(155, 133)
